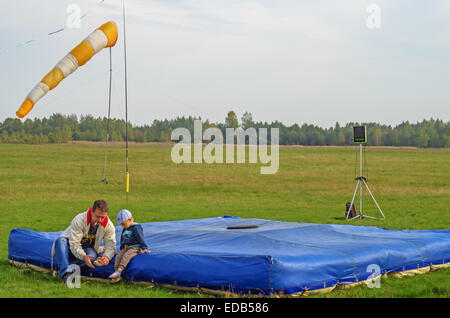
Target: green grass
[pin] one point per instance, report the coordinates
(42, 187)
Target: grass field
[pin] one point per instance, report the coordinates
(42, 187)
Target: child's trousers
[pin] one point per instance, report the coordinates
(125, 256)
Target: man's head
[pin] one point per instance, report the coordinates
(99, 212)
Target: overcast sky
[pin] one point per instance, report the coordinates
(314, 62)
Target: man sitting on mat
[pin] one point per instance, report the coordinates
(80, 243)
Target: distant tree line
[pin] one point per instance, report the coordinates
(60, 128)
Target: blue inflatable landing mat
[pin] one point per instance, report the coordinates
(258, 256)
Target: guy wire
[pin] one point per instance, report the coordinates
(365, 162)
(109, 116)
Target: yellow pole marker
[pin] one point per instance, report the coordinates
(128, 182)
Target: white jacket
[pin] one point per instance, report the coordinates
(80, 227)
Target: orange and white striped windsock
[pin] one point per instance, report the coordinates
(104, 36)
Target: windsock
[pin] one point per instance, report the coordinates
(104, 36)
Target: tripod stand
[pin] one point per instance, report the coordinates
(362, 182)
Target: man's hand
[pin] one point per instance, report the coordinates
(87, 260)
(102, 261)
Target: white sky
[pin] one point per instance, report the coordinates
(295, 61)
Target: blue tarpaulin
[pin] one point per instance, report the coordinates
(268, 257)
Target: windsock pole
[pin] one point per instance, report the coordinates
(127, 188)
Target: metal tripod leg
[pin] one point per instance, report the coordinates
(353, 199)
(376, 203)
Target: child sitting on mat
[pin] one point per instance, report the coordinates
(131, 243)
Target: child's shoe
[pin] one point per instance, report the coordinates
(115, 277)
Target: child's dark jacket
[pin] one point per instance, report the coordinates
(133, 237)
